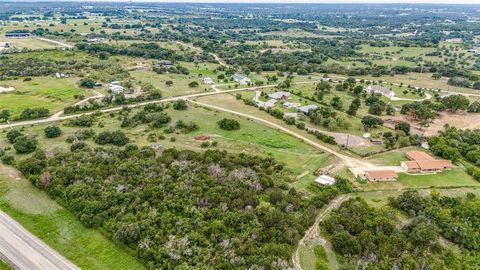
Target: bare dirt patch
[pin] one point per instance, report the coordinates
(4, 89)
(459, 120)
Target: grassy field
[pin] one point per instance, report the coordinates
(380, 198)
(253, 138)
(180, 82)
(4, 266)
(422, 80)
(60, 229)
(454, 177)
(392, 55)
(41, 92)
(28, 43)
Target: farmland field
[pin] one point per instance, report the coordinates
(41, 92)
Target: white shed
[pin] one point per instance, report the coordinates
(325, 180)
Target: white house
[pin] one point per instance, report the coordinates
(241, 79)
(289, 105)
(116, 88)
(267, 104)
(280, 95)
(325, 180)
(377, 89)
(207, 80)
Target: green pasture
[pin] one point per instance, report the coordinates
(41, 92)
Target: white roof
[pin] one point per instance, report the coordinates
(325, 180)
(279, 95)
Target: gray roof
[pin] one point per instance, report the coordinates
(306, 109)
(239, 77)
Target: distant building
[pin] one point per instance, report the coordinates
(421, 162)
(377, 89)
(382, 175)
(18, 35)
(376, 141)
(425, 145)
(207, 80)
(116, 89)
(165, 63)
(267, 104)
(325, 180)
(308, 108)
(290, 105)
(61, 75)
(473, 51)
(95, 40)
(280, 95)
(241, 79)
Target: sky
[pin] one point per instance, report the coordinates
(292, 1)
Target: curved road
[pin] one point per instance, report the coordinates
(22, 250)
(358, 167)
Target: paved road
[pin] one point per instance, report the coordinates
(22, 250)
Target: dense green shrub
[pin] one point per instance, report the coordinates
(115, 137)
(25, 145)
(52, 131)
(175, 207)
(228, 124)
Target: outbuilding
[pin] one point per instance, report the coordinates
(325, 180)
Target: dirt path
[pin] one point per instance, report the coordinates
(63, 44)
(83, 101)
(357, 166)
(219, 60)
(344, 138)
(314, 232)
(59, 117)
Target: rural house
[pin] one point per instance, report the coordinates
(241, 79)
(308, 108)
(377, 89)
(280, 95)
(18, 35)
(421, 162)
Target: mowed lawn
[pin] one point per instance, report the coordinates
(41, 92)
(29, 43)
(61, 230)
(454, 177)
